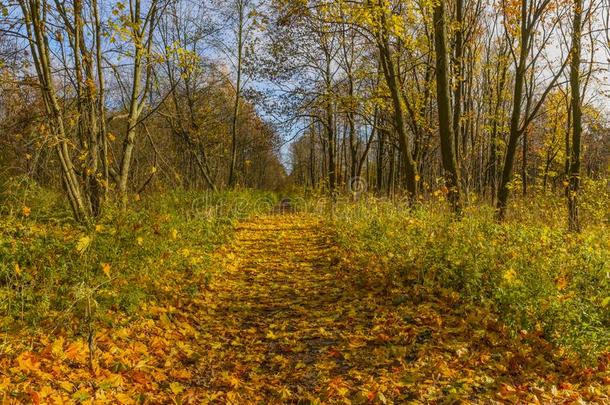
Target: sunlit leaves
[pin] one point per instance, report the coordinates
(83, 244)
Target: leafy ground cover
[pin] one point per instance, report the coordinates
(536, 276)
(69, 288)
(377, 304)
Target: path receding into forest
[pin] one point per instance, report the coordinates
(290, 323)
(292, 317)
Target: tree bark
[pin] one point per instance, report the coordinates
(574, 169)
(240, 45)
(515, 120)
(446, 128)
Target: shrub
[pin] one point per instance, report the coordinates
(536, 276)
(162, 247)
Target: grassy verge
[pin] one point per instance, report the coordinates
(529, 270)
(54, 273)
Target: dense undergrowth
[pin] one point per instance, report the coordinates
(56, 274)
(529, 270)
(106, 280)
(535, 275)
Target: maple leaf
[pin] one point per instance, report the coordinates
(562, 283)
(66, 385)
(181, 374)
(510, 275)
(27, 362)
(284, 393)
(57, 348)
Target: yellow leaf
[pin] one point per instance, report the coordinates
(46, 391)
(57, 348)
(509, 275)
(17, 269)
(233, 381)
(181, 374)
(82, 244)
(174, 234)
(27, 362)
(124, 398)
(140, 240)
(562, 283)
(176, 388)
(106, 269)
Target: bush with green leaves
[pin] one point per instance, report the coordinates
(536, 275)
(52, 269)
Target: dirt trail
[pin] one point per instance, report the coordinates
(290, 317)
(288, 324)
(284, 311)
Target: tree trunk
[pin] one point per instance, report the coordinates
(574, 170)
(515, 120)
(452, 176)
(240, 45)
(389, 71)
(142, 50)
(458, 64)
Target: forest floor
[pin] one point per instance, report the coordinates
(289, 320)
(291, 323)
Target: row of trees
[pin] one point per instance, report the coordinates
(406, 93)
(462, 96)
(106, 99)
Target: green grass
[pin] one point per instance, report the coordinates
(52, 270)
(533, 273)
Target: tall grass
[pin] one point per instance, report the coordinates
(529, 269)
(54, 272)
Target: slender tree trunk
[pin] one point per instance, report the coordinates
(397, 103)
(458, 66)
(132, 123)
(380, 152)
(101, 103)
(574, 169)
(330, 135)
(524, 178)
(142, 51)
(452, 175)
(240, 45)
(493, 166)
(35, 22)
(515, 120)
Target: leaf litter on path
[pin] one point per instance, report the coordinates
(290, 320)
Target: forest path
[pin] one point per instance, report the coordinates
(289, 323)
(285, 314)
